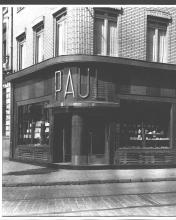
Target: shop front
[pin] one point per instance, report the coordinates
(90, 110)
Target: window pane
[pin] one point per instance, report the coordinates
(162, 45)
(39, 42)
(145, 125)
(151, 46)
(60, 38)
(100, 36)
(4, 51)
(33, 124)
(95, 136)
(21, 41)
(112, 38)
(21, 56)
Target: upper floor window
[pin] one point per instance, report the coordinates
(4, 51)
(21, 44)
(60, 37)
(105, 38)
(38, 42)
(157, 40)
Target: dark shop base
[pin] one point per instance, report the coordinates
(95, 166)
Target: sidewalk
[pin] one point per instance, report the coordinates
(21, 174)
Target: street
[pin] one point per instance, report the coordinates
(115, 199)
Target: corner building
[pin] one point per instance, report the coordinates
(94, 85)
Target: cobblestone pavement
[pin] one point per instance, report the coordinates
(122, 199)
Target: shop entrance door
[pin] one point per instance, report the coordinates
(96, 141)
(62, 139)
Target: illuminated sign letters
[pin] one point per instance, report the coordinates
(64, 83)
(69, 82)
(69, 88)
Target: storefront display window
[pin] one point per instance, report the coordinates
(33, 124)
(144, 125)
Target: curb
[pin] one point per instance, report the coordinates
(91, 167)
(86, 182)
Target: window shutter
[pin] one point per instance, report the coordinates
(157, 40)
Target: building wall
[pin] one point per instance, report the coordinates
(7, 16)
(172, 45)
(26, 18)
(133, 32)
(80, 40)
(80, 31)
(7, 88)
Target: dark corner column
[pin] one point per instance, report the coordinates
(173, 131)
(78, 140)
(173, 126)
(51, 135)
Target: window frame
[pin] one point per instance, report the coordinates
(4, 50)
(107, 16)
(59, 17)
(21, 41)
(31, 130)
(141, 133)
(38, 31)
(157, 24)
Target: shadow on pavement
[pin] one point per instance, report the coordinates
(31, 172)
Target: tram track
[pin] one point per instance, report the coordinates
(141, 195)
(100, 210)
(91, 200)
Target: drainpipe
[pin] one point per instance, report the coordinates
(11, 39)
(11, 155)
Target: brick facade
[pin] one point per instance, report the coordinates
(7, 68)
(80, 30)
(132, 33)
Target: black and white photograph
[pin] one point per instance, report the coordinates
(88, 111)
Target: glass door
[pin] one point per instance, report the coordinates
(62, 139)
(96, 141)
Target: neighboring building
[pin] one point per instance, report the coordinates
(94, 85)
(7, 67)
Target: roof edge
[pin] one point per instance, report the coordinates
(89, 59)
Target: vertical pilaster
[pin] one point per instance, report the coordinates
(78, 140)
(173, 126)
(112, 141)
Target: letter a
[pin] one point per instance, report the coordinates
(69, 81)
